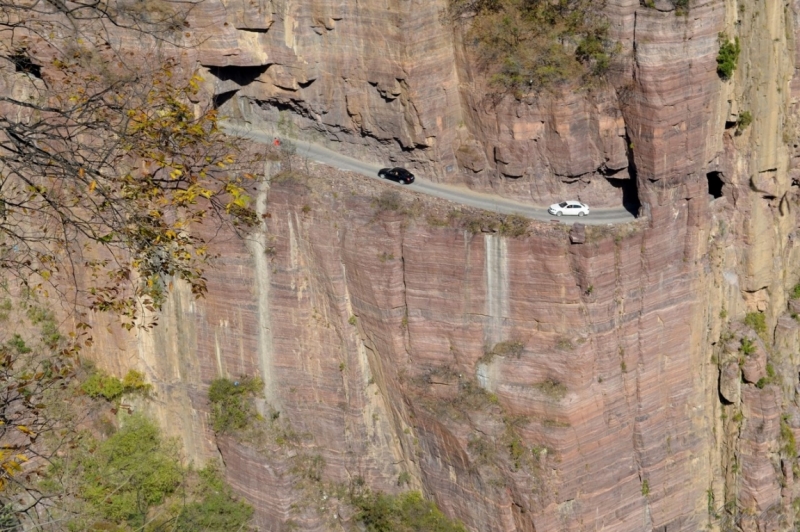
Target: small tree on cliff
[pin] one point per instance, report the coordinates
(106, 169)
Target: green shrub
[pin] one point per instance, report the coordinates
(217, 510)
(727, 57)
(231, 403)
(100, 385)
(134, 480)
(407, 512)
(747, 346)
(743, 120)
(514, 225)
(796, 291)
(133, 381)
(593, 51)
(552, 388)
(758, 322)
(789, 445)
(17, 344)
(5, 312)
(129, 472)
(111, 388)
(770, 378)
(46, 321)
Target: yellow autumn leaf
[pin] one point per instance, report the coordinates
(11, 467)
(92, 185)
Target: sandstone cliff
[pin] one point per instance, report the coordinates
(524, 383)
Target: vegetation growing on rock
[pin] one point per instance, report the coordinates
(134, 480)
(727, 57)
(111, 388)
(743, 121)
(407, 512)
(508, 348)
(681, 6)
(231, 403)
(795, 293)
(64, 464)
(531, 44)
(758, 322)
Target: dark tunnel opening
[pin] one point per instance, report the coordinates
(630, 193)
(715, 184)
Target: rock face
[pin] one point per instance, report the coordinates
(382, 330)
(393, 82)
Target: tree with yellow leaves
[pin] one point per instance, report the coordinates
(112, 173)
(107, 178)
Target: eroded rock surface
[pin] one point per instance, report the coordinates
(630, 405)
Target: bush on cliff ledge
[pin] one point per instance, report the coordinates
(134, 480)
(529, 44)
(111, 388)
(231, 403)
(727, 57)
(407, 512)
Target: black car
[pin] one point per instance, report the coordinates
(401, 175)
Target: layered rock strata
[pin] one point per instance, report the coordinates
(524, 383)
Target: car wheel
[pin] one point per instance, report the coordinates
(558, 213)
(581, 213)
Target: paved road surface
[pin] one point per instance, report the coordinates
(454, 193)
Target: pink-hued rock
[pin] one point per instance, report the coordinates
(754, 366)
(730, 382)
(577, 235)
(370, 327)
(760, 485)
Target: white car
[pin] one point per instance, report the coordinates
(569, 208)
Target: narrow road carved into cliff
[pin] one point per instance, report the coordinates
(454, 193)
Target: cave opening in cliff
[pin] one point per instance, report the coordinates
(630, 193)
(241, 75)
(715, 184)
(221, 98)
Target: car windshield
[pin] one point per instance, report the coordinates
(562, 204)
